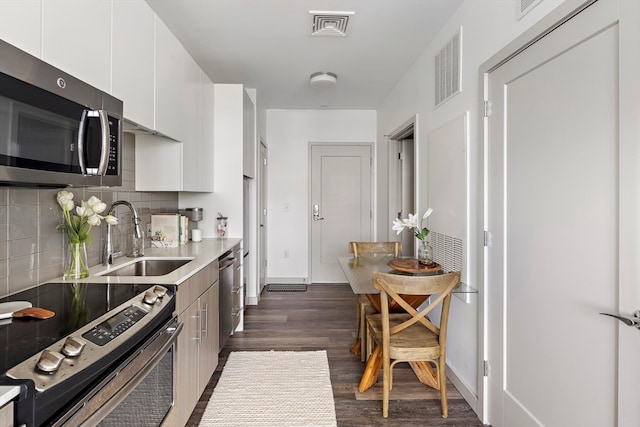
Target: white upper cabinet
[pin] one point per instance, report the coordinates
(133, 62)
(158, 164)
(170, 66)
(191, 118)
(76, 37)
(206, 133)
(21, 24)
(165, 165)
(248, 136)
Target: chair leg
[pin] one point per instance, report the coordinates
(386, 385)
(363, 333)
(358, 318)
(442, 374)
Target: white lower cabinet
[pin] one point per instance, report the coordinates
(197, 349)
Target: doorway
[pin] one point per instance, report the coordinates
(402, 181)
(340, 205)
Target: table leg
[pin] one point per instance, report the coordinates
(425, 373)
(371, 370)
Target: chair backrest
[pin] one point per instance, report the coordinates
(439, 286)
(368, 248)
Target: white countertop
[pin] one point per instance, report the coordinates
(203, 253)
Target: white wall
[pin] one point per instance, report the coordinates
(487, 26)
(289, 135)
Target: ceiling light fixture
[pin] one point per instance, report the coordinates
(323, 79)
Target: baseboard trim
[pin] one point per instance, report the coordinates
(465, 390)
(288, 280)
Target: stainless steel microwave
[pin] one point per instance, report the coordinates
(55, 130)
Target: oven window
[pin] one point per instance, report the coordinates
(149, 403)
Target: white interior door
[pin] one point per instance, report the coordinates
(340, 209)
(562, 216)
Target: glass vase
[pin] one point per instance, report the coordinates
(425, 253)
(77, 266)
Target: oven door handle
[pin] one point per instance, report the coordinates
(120, 384)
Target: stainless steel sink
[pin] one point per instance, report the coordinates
(148, 267)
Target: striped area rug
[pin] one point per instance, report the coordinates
(272, 388)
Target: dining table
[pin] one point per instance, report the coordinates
(359, 273)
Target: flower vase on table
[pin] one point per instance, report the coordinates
(414, 223)
(425, 253)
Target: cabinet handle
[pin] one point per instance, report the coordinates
(205, 331)
(199, 325)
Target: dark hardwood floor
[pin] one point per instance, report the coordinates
(323, 318)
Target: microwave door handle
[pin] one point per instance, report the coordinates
(81, 141)
(106, 134)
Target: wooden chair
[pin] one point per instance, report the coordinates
(363, 306)
(370, 248)
(411, 336)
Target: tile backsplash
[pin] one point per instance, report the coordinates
(32, 251)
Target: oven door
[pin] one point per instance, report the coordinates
(138, 392)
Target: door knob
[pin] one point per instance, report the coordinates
(629, 321)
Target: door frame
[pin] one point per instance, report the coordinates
(394, 139)
(555, 18)
(372, 197)
(261, 213)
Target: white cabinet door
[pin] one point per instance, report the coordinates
(248, 136)
(169, 66)
(76, 37)
(166, 165)
(133, 60)
(206, 133)
(21, 24)
(191, 141)
(158, 164)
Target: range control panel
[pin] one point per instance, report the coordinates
(112, 328)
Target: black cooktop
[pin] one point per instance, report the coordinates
(74, 305)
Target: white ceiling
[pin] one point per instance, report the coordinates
(266, 45)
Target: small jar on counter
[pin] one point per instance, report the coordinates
(221, 226)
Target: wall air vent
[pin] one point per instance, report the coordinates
(329, 23)
(448, 68)
(524, 6)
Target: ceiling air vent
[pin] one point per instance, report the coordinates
(448, 67)
(525, 6)
(329, 23)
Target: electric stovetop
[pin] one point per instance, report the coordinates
(74, 305)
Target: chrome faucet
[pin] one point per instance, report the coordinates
(108, 254)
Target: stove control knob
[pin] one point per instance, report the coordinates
(161, 291)
(73, 346)
(150, 297)
(50, 361)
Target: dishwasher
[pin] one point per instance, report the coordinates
(227, 264)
